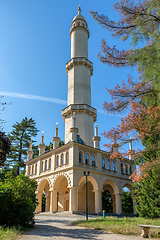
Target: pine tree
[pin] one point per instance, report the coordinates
(20, 138)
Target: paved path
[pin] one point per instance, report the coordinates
(58, 226)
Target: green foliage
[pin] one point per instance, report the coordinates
(20, 138)
(8, 233)
(126, 226)
(17, 200)
(4, 148)
(127, 203)
(107, 203)
(148, 194)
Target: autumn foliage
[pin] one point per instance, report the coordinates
(140, 22)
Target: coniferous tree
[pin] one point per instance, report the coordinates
(20, 138)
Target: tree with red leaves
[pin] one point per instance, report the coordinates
(140, 21)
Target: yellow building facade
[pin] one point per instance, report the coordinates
(60, 172)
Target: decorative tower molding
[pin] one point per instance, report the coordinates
(79, 70)
(42, 146)
(30, 152)
(115, 145)
(96, 138)
(56, 139)
(130, 151)
(74, 129)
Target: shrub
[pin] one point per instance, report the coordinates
(17, 200)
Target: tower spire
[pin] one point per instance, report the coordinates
(79, 9)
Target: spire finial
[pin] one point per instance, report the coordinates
(79, 9)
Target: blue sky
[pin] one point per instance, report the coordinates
(34, 48)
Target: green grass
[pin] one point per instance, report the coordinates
(126, 226)
(8, 234)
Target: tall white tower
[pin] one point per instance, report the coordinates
(79, 71)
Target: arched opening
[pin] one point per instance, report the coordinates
(108, 199)
(108, 196)
(43, 196)
(127, 202)
(61, 187)
(91, 186)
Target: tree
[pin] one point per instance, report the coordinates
(147, 194)
(17, 200)
(4, 141)
(127, 203)
(140, 21)
(107, 202)
(4, 148)
(20, 138)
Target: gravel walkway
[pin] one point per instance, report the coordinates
(58, 226)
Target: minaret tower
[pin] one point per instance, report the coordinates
(79, 71)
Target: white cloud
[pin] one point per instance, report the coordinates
(33, 97)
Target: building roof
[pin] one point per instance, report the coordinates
(79, 16)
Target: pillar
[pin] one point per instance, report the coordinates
(73, 206)
(118, 197)
(53, 201)
(39, 197)
(98, 201)
(47, 202)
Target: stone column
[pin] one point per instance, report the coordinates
(98, 201)
(53, 200)
(47, 202)
(73, 206)
(39, 197)
(118, 203)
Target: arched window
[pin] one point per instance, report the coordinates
(103, 163)
(130, 170)
(42, 166)
(121, 167)
(62, 158)
(80, 157)
(46, 165)
(36, 169)
(113, 166)
(126, 169)
(87, 159)
(67, 157)
(50, 163)
(93, 161)
(57, 160)
(108, 164)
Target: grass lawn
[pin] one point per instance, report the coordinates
(8, 234)
(126, 226)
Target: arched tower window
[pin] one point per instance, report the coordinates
(62, 158)
(130, 170)
(87, 159)
(113, 166)
(103, 163)
(80, 157)
(126, 169)
(67, 157)
(36, 169)
(108, 164)
(93, 161)
(46, 165)
(57, 163)
(49, 163)
(42, 166)
(33, 169)
(121, 167)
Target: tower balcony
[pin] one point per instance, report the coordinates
(79, 61)
(79, 108)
